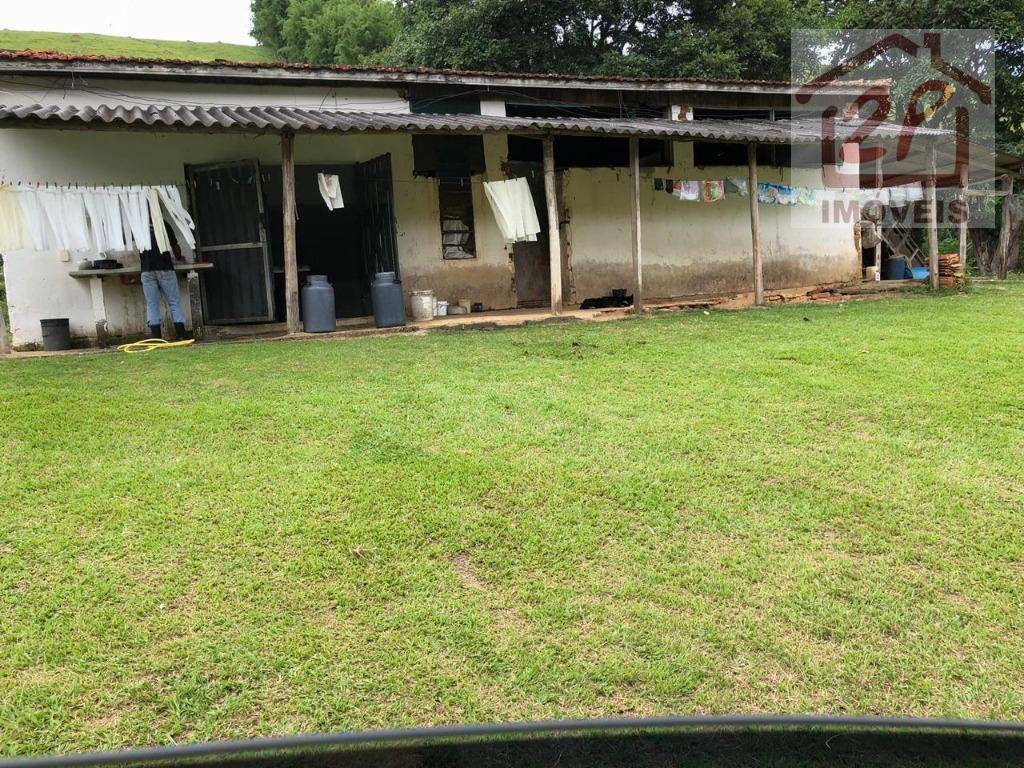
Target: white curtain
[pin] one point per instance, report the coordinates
(512, 203)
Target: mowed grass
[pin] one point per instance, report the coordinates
(132, 47)
(798, 509)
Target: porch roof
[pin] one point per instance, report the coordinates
(295, 120)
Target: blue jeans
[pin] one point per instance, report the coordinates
(165, 282)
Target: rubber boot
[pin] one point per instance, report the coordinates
(154, 332)
(180, 333)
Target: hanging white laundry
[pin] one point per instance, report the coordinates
(14, 235)
(97, 213)
(915, 192)
(512, 204)
(176, 215)
(35, 219)
(73, 207)
(330, 190)
(64, 211)
(135, 213)
(114, 223)
(156, 219)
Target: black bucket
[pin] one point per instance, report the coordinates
(56, 334)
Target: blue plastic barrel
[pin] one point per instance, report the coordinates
(894, 268)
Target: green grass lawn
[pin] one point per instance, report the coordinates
(110, 45)
(798, 509)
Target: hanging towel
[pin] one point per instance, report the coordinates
(688, 190)
(713, 191)
(156, 220)
(805, 195)
(115, 226)
(514, 211)
(330, 190)
(35, 219)
(736, 187)
(98, 227)
(14, 234)
(177, 216)
(134, 207)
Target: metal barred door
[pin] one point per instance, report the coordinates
(227, 202)
(377, 215)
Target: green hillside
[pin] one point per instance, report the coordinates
(110, 45)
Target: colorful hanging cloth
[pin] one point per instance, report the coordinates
(713, 191)
(736, 187)
(687, 190)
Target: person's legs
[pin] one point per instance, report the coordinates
(151, 290)
(169, 286)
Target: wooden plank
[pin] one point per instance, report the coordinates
(1002, 256)
(933, 224)
(962, 226)
(755, 223)
(195, 304)
(878, 226)
(554, 234)
(291, 264)
(634, 221)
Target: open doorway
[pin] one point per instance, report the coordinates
(531, 259)
(327, 242)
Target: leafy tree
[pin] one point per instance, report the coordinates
(324, 31)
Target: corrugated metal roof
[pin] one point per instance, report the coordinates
(282, 119)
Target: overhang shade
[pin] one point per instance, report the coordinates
(294, 120)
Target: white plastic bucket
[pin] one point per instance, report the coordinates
(422, 305)
(442, 308)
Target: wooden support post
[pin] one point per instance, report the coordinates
(962, 226)
(634, 199)
(878, 226)
(195, 304)
(755, 224)
(291, 264)
(554, 235)
(933, 223)
(1002, 254)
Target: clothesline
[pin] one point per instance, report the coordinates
(49, 184)
(768, 193)
(68, 218)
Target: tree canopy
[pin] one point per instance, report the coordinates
(705, 38)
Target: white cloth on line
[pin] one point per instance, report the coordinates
(330, 190)
(14, 235)
(112, 219)
(156, 219)
(134, 207)
(179, 218)
(67, 224)
(98, 227)
(512, 204)
(35, 219)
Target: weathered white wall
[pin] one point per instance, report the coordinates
(689, 248)
(38, 283)
(694, 248)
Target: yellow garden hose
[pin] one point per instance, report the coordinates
(148, 345)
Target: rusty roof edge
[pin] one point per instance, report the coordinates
(35, 62)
